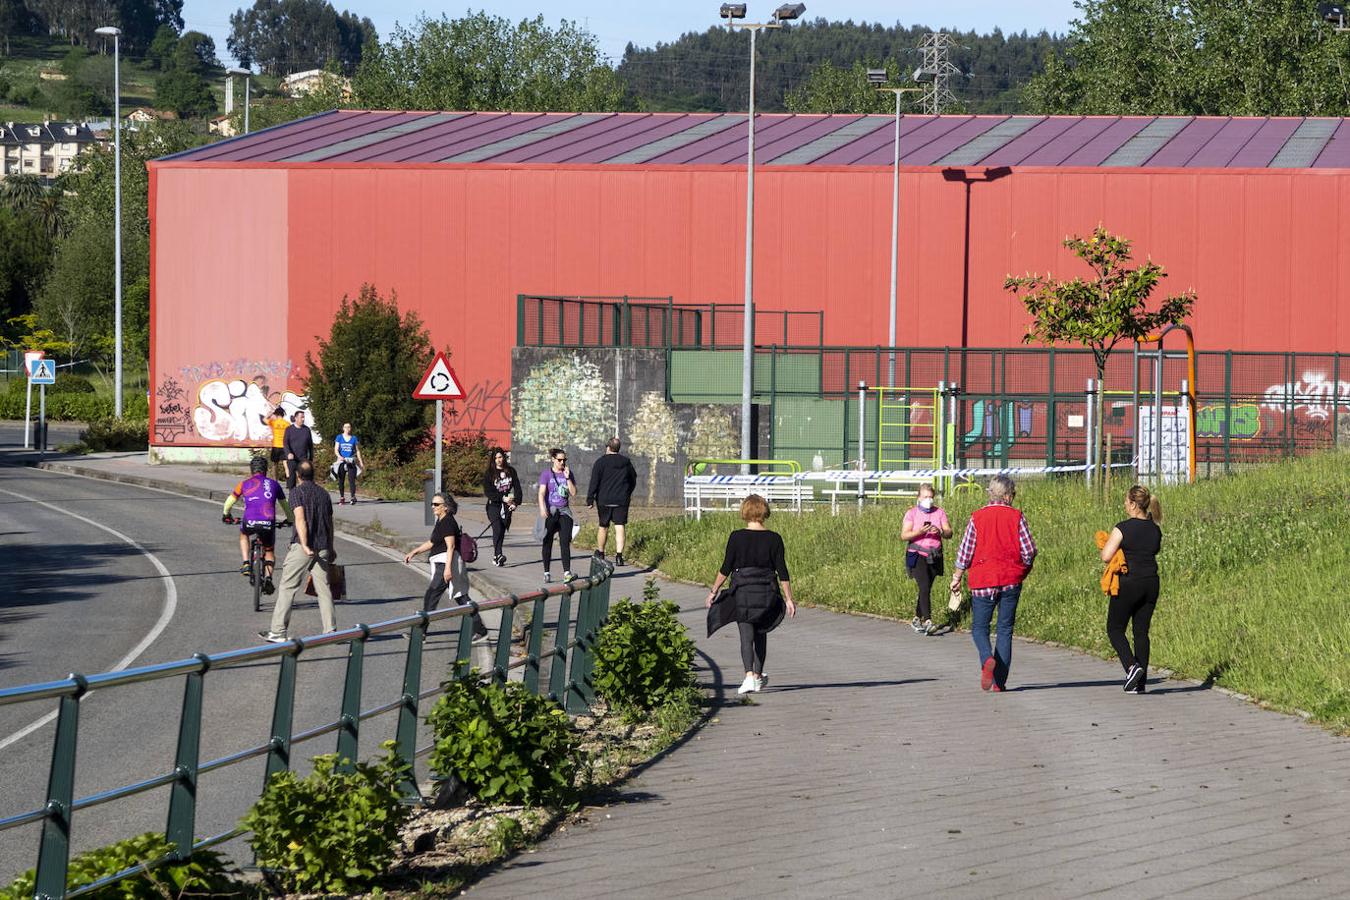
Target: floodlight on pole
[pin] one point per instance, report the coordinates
(247, 74)
(732, 12)
(115, 34)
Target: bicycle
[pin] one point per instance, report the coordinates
(257, 561)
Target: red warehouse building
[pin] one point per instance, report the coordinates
(256, 239)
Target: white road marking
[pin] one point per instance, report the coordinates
(165, 614)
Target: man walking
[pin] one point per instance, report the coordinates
(311, 553)
(298, 442)
(998, 550)
(612, 482)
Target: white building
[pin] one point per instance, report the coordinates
(44, 149)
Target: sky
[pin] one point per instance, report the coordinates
(645, 23)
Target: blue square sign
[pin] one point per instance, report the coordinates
(43, 371)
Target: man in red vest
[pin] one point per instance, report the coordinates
(998, 550)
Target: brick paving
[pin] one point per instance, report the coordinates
(874, 766)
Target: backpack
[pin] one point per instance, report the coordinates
(467, 547)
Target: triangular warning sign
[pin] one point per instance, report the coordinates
(439, 382)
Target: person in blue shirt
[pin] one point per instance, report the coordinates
(347, 449)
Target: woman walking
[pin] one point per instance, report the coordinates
(1139, 538)
(501, 486)
(761, 591)
(924, 527)
(443, 546)
(347, 452)
(556, 488)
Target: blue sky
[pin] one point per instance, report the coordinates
(649, 21)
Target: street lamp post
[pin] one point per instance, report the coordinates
(246, 73)
(115, 34)
(732, 12)
(878, 78)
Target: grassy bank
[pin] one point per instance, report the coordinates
(1253, 570)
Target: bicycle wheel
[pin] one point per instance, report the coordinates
(257, 563)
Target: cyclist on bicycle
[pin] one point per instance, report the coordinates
(261, 496)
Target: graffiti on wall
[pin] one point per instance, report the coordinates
(1240, 423)
(173, 418)
(238, 410)
(1313, 395)
(487, 406)
(562, 402)
(256, 369)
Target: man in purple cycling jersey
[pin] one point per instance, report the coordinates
(261, 496)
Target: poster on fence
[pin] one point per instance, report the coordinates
(1176, 444)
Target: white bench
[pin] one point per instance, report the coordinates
(713, 494)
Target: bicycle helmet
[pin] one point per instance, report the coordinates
(258, 465)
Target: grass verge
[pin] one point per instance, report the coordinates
(1251, 570)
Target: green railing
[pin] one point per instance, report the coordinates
(570, 665)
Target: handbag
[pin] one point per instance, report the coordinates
(955, 598)
(468, 546)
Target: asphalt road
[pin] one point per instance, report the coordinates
(101, 575)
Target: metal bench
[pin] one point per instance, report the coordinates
(713, 493)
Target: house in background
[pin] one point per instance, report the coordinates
(44, 149)
(299, 84)
(143, 115)
(223, 126)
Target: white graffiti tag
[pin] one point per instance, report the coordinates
(1313, 395)
(238, 410)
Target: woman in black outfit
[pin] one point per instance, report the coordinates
(1139, 538)
(501, 486)
(760, 591)
(443, 546)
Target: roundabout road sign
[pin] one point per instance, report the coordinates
(439, 382)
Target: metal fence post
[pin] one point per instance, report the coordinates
(349, 734)
(595, 620)
(535, 646)
(405, 734)
(520, 320)
(557, 667)
(54, 850)
(279, 756)
(464, 647)
(575, 700)
(503, 656)
(1227, 412)
(183, 796)
(1050, 413)
(1335, 399)
(1090, 444)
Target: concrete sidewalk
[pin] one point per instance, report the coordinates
(873, 765)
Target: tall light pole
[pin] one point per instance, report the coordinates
(247, 74)
(878, 78)
(732, 12)
(116, 33)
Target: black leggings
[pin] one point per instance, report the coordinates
(561, 526)
(922, 574)
(754, 646)
(432, 598)
(1135, 603)
(349, 470)
(499, 524)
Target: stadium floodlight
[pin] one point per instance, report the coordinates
(789, 11)
(733, 10)
(877, 76)
(925, 76)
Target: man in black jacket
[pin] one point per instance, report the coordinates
(298, 442)
(612, 482)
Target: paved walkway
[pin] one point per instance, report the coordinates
(874, 766)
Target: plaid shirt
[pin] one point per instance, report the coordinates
(966, 553)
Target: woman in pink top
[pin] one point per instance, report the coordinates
(924, 528)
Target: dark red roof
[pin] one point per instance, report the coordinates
(357, 136)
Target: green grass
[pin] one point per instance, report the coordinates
(1252, 574)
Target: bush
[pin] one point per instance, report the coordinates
(645, 658)
(464, 460)
(207, 872)
(73, 407)
(111, 435)
(505, 744)
(330, 831)
(67, 383)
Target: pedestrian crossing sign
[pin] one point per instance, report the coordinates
(43, 371)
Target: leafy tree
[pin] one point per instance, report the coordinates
(185, 92)
(285, 36)
(139, 20)
(1196, 57)
(485, 62)
(195, 52)
(162, 46)
(16, 20)
(832, 89)
(25, 250)
(1101, 313)
(366, 371)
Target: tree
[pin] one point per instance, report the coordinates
(831, 89)
(1098, 314)
(16, 20)
(1196, 57)
(182, 85)
(483, 62)
(25, 250)
(77, 300)
(162, 46)
(285, 36)
(366, 371)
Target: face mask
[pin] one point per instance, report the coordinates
(926, 503)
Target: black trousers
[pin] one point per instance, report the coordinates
(1134, 604)
(561, 526)
(500, 520)
(432, 598)
(346, 470)
(754, 646)
(922, 573)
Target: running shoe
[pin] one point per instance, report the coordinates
(268, 587)
(342, 501)
(987, 674)
(762, 682)
(499, 560)
(273, 638)
(245, 569)
(599, 554)
(748, 686)
(929, 627)
(917, 624)
(618, 559)
(997, 689)
(353, 499)
(568, 578)
(1134, 678)
(548, 578)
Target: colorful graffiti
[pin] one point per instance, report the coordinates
(236, 411)
(255, 369)
(1241, 422)
(1313, 395)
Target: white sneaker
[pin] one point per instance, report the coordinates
(749, 685)
(929, 627)
(761, 683)
(917, 625)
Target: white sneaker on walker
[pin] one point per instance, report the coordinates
(749, 685)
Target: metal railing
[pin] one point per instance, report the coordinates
(571, 662)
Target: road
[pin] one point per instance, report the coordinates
(85, 591)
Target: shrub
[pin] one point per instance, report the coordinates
(207, 872)
(73, 407)
(464, 461)
(645, 658)
(67, 383)
(504, 744)
(330, 831)
(107, 435)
